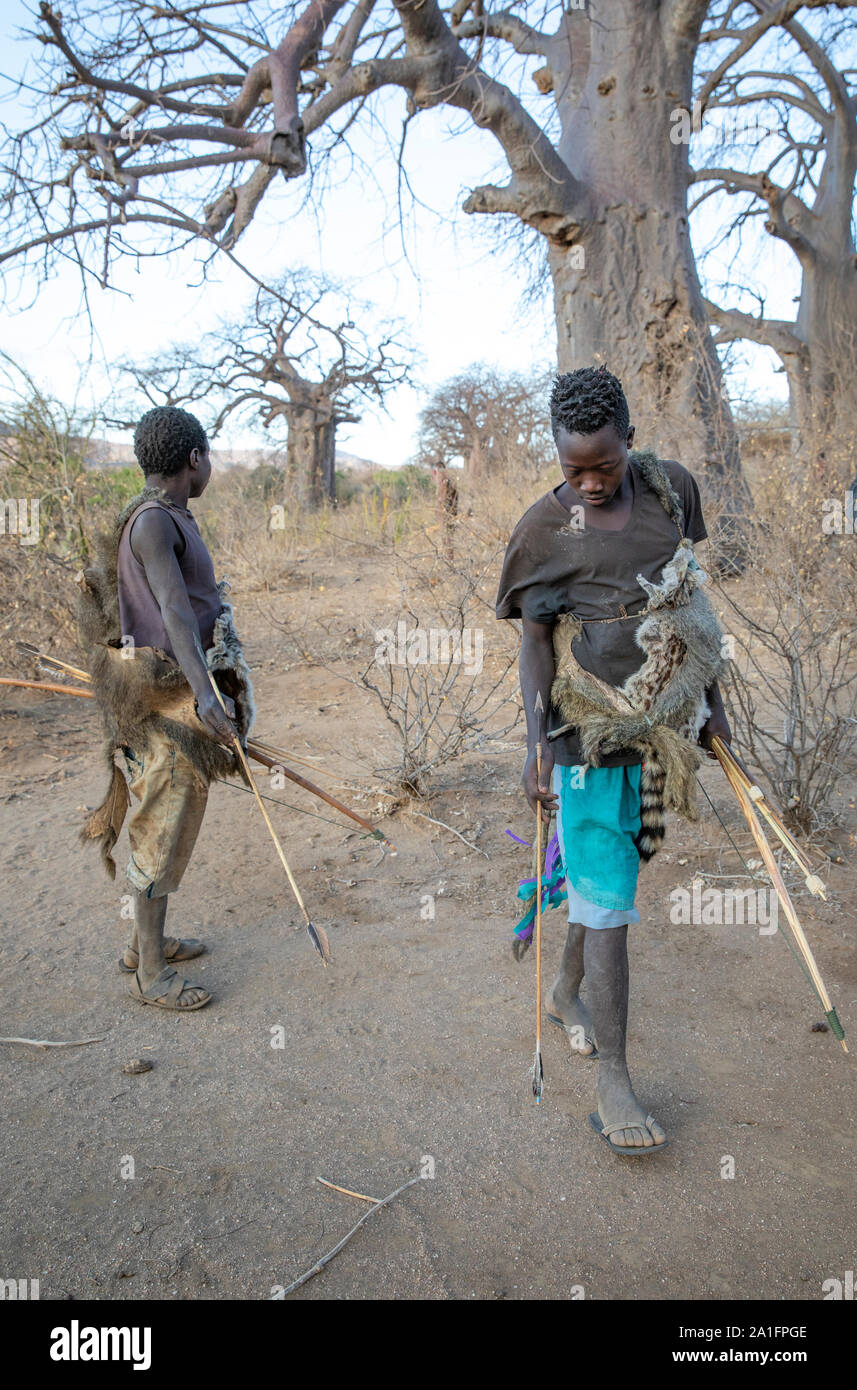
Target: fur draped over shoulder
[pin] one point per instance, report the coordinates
(141, 690)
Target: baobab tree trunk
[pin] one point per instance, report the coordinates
(818, 351)
(824, 405)
(327, 444)
(478, 461)
(304, 456)
(311, 445)
(795, 362)
(626, 291)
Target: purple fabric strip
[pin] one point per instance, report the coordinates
(551, 855)
(518, 839)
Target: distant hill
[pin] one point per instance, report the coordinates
(107, 453)
(352, 461)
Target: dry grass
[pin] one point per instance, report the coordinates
(793, 696)
(793, 693)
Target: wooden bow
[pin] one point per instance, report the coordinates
(267, 754)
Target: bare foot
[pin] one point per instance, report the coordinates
(574, 1018)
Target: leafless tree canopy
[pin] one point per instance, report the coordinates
(302, 355)
(149, 111)
(783, 101)
(179, 117)
(306, 333)
(492, 422)
(159, 124)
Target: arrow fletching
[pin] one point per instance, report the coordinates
(537, 1075)
(318, 937)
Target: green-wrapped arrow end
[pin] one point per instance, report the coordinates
(836, 1027)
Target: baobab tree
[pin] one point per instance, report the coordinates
(791, 125)
(298, 356)
(490, 422)
(178, 120)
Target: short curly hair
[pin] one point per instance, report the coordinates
(584, 401)
(164, 438)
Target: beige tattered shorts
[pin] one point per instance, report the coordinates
(164, 826)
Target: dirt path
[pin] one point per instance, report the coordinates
(415, 1043)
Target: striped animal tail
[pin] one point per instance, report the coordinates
(653, 778)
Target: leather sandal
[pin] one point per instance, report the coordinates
(166, 991)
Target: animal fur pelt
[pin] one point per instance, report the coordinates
(661, 707)
(141, 690)
(655, 476)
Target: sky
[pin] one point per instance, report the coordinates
(461, 303)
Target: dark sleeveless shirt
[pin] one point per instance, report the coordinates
(139, 610)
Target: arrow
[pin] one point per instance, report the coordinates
(746, 802)
(317, 935)
(537, 1073)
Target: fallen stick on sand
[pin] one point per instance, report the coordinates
(361, 1196)
(451, 828)
(325, 1259)
(44, 1042)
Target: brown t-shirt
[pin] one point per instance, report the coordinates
(554, 566)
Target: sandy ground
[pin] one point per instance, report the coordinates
(415, 1044)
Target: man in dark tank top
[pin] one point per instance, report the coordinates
(168, 599)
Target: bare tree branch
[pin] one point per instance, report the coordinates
(772, 14)
(778, 334)
(505, 25)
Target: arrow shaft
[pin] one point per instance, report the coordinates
(236, 743)
(749, 810)
(47, 685)
(761, 802)
(538, 903)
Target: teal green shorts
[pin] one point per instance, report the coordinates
(598, 817)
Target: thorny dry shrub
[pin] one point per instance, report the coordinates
(441, 685)
(43, 477)
(38, 604)
(439, 665)
(792, 694)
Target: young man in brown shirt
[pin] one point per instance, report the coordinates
(583, 549)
